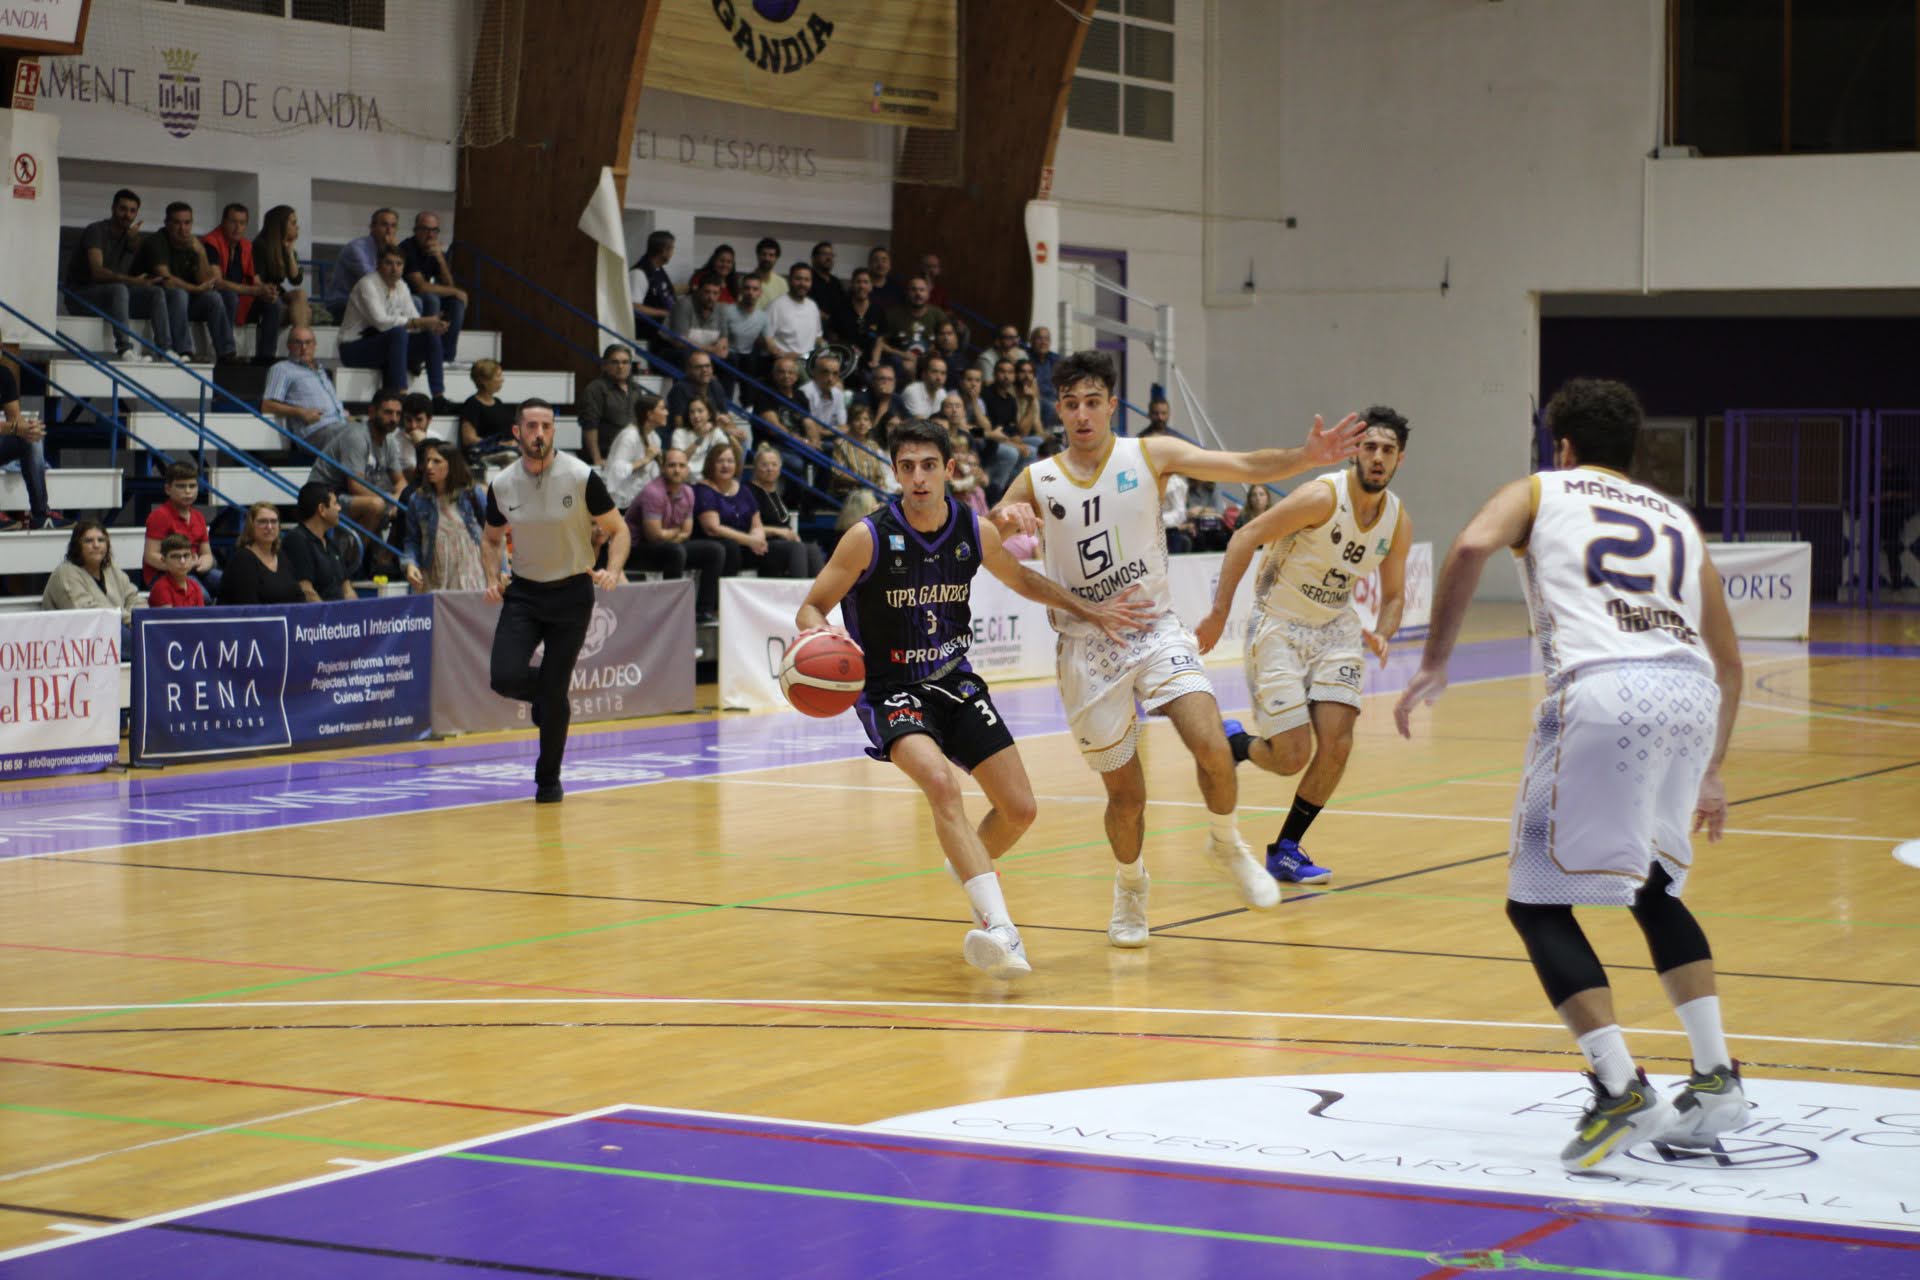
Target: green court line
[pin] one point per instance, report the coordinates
(855, 1197)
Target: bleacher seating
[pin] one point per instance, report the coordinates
(91, 332)
(40, 552)
(68, 489)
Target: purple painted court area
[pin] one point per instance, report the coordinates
(147, 807)
(642, 1193)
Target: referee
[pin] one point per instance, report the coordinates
(552, 502)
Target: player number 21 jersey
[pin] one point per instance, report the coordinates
(1612, 572)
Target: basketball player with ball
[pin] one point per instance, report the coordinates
(905, 575)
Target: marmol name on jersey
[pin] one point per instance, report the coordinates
(1596, 488)
(933, 593)
(1125, 575)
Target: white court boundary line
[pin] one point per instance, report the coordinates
(965, 1005)
(264, 1193)
(178, 1137)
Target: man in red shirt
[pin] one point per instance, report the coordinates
(177, 589)
(177, 516)
(239, 288)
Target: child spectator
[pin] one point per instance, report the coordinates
(177, 589)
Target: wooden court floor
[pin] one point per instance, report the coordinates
(782, 942)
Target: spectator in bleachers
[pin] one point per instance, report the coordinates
(911, 326)
(723, 510)
(780, 523)
(486, 421)
(382, 329)
(633, 460)
(1258, 499)
(102, 271)
(826, 399)
(1036, 417)
(21, 441)
(953, 416)
(859, 452)
(89, 579)
(651, 287)
(177, 588)
(300, 393)
(744, 325)
(700, 385)
(784, 405)
(793, 322)
(887, 292)
(1000, 398)
(276, 257)
(611, 402)
(947, 345)
(402, 454)
(766, 270)
(178, 515)
(1043, 357)
(829, 294)
(700, 433)
(430, 277)
(444, 518)
(858, 322)
(719, 269)
(356, 461)
(971, 387)
(360, 257)
(885, 406)
(257, 573)
(179, 261)
(309, 547)
(1006, 346)
(970, 480)
(698, 320)
(237, 284)
(1159, 417)
(922, 399)
(661, 522)
(936, 291)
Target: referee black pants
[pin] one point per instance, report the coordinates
(556, 613)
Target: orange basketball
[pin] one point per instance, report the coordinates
(822, 673)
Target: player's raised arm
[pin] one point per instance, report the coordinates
(1393, 590)
(1304, 508)
(1505, 521)
(1118, 617)
(850, 560)
(1324, 447)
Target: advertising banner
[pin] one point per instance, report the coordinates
(1011, 638)
(1416, 609)
(253, 678)
(59, 692)
(1769, 587)
(881, 61)
(637, 660)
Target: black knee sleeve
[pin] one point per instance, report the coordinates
(1559, 949)
(1674, 937)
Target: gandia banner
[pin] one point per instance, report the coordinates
(881, 61)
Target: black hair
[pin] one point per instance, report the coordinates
(126, 193)
(535, 402)
(658, 240)
(613, 347)
(394, 252)
(919, 431)
(824, 244)
(235, 205)
(415, 402)
(80, 531)
(1381, 415)
(314, 494)
(1085, 366)
(767, 242)
(383, 395)
(1601, 417)
(859, 271)
(182, 470)
(177, 206)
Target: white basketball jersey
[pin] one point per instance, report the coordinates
(1104, 535)
(1310, 574)
(1612, 572)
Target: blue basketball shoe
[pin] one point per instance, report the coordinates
(1288, 863)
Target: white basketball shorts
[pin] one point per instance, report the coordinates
(1101, 679)
(1291, 663)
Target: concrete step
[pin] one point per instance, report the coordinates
(42, 552)
(356, 385)
(246, 432)
(242, 486)
(92, 333)
(69, 489)
(186, 386)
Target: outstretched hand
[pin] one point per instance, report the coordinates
(1125, 614)
(1423, 690)
(1326, 446)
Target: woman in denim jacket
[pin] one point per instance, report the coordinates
(442, 551)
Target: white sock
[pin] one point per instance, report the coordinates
(1606, 1053)
(1226, 826)
(989, 903)
(1134, 872)
(1701, 1018)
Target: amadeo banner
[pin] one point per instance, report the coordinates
(243, 679)
(637, 659)
(883, 61)
(59, 692)
(1011, 637)
(1769, 587)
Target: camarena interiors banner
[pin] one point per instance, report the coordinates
(59, 692)
(250, 679)
(880, 61)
